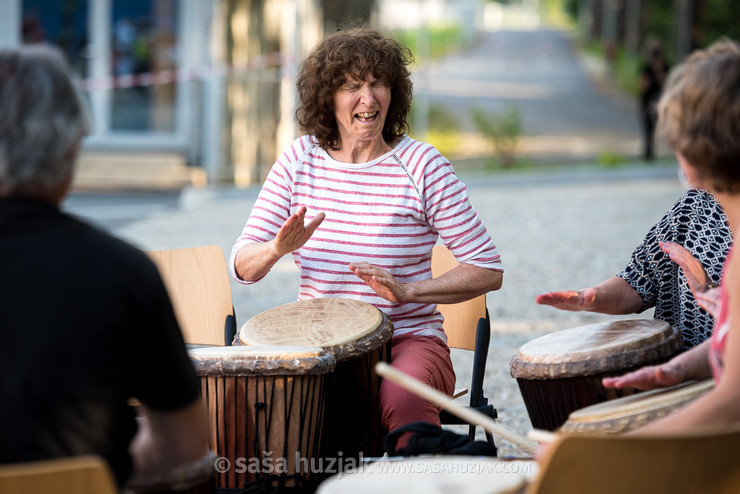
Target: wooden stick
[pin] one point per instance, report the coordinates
(542, 436)
(444, 401)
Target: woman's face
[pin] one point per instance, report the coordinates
(360, 107)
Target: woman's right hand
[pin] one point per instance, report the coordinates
(650, 377)
(255, 259)
(581, 300)
(294, 233)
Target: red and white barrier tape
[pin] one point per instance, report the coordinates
(144, 79)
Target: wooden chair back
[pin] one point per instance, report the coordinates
(76, 475)
(461, 320)
(199, 286)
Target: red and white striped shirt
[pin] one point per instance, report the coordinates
(388, 212)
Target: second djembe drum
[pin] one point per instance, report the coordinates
(561, 372)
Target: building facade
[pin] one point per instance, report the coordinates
(179, 89)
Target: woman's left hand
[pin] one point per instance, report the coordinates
(690, 265)
(381, 281)
(695, 274)
(710, 301)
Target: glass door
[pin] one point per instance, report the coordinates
(62, 23)
(144, 55)
(127, 53)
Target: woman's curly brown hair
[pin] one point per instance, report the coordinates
(359, 52)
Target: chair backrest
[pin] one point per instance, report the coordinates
(198, 282)
(461, 320)
(697, 462)
(76, 475)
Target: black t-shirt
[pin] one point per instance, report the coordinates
(85, 324)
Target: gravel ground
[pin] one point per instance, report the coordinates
(556, 230)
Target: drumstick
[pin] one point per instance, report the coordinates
(542, 436)
(442, 400)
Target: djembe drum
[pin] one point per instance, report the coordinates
(561, 372)
(265, 406)
(629, 412)
(358, 336)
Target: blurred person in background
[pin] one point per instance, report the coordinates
(653, 73)
(87, 323)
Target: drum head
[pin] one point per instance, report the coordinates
(334, 324)
(629, 412)
(595, 348)
(260, 360)
(434, 475)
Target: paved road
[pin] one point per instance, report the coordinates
(114, 209)
(565, 115)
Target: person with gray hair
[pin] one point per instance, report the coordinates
(108, 332)
(42, 123)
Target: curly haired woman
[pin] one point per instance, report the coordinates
(374, 202)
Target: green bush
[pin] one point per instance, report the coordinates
(502, 130)
(443, 129)
(443, 39)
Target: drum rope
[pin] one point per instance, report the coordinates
(300, 392)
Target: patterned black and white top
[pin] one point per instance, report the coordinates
(698, 223)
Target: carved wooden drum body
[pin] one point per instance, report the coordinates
(358, 336)
(561, 372)
(265, 406)
(630, 412)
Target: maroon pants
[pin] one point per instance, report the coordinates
(426, 358)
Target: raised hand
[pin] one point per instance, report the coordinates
(570, 299)
(691, 266)
(709, 301)
(707, 298)
(294, 233)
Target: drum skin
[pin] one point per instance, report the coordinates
(345, 328)
(358, 335)
(561, 372)
(630, 412)
(266, 407)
